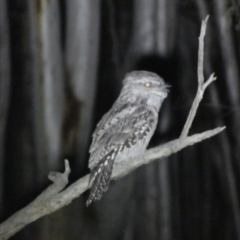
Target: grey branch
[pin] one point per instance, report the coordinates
(201, 85)
(54, 197)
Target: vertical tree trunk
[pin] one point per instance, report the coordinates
(82, 41)
(4, 88)
(34, 131)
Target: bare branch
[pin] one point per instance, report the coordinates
(48, 202)
(210, 80)
(32, 211)
(161, 151)
(201, 85)
(60, 180)
(201, 51)
(53, 198)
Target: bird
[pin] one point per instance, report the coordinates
(125, 130)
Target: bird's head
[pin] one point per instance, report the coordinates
(144, 86)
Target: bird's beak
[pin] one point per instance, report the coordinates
(165, 88)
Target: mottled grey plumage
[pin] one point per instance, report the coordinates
(126, 129)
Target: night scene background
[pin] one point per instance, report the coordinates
(61, 67)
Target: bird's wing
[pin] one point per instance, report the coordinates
(108, 120)
(115, 132)
(120, 128)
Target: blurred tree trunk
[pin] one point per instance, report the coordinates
(4, 89)
(82, 40)
(34, 128)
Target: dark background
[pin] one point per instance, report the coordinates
(61, 67)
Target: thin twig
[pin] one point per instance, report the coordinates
(201, 85)
(201, 52)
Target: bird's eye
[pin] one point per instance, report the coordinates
(147, 85)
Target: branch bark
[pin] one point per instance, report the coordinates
(201, 85)
(53, 198)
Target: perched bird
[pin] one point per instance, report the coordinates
(126, 129)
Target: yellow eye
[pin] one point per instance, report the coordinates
(147, 85)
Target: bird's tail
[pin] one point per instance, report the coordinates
(100, 177)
